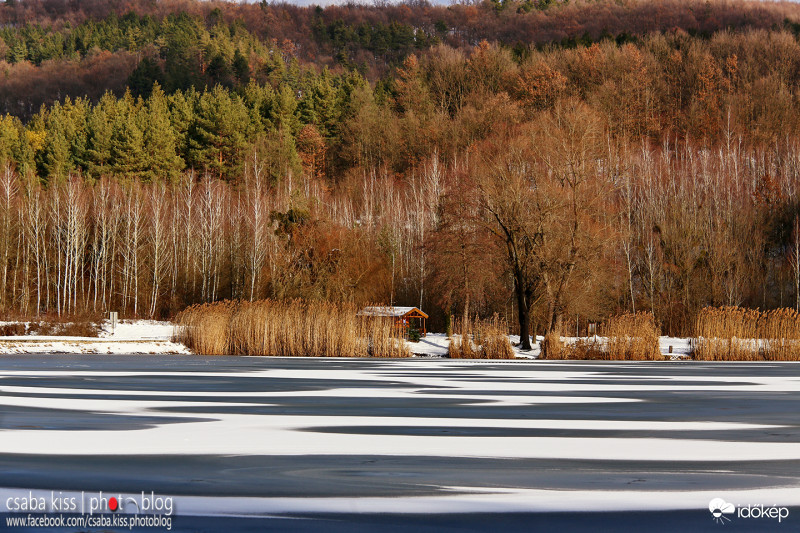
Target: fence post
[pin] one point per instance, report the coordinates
(113, 317)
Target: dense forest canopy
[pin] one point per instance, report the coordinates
(548, 161)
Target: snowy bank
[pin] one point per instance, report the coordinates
(435, 345)
(155, 337)
(128, 337)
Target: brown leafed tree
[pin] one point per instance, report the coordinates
(545, 193)
(464, 260)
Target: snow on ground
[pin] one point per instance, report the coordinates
(435, 345)
(89, 345)
(680, 348)
(128, 337)
(139, 330)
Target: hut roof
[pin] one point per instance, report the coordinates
(390, 311)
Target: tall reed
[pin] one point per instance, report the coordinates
(739, 334)
(632, 337)
(203, 328)
(627, 337)
(480, 339)
(553, 348)
(287, 328)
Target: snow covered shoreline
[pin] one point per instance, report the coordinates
(129, 337)
(435, 345)
(156, 337)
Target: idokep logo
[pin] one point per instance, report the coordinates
(719, 508)
(723, 512)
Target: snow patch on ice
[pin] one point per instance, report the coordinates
(481, 383)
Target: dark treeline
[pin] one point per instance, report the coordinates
(389, 154)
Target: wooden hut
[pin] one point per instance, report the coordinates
(403, 317)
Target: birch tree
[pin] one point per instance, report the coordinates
(157, 240)
(9, 188)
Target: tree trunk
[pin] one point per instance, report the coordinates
(524, 314)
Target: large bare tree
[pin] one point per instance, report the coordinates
(545, 192)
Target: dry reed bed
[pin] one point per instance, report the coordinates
(627, 337)
(480, 339)
(738, 334)
(633, 337)
(287, 328)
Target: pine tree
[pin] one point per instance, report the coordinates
(53, 160)
(181, 116)
(282, 112)
(99, 130)
(160, 158)
(147, 74)
(77, 112)
(259, 100)
(218, 134)
(241, 67)
(127, 138)
(320, 104)
(182, 54)
(219, 71)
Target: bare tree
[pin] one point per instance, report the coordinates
(35, 227)
(158, 203)
(105, 202)
(132, 226)
(794, 259)
(547, 195)
(9, 187)
(257, 220)
(212, 212)
(505, 185)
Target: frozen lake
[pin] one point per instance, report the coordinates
(408, 445)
